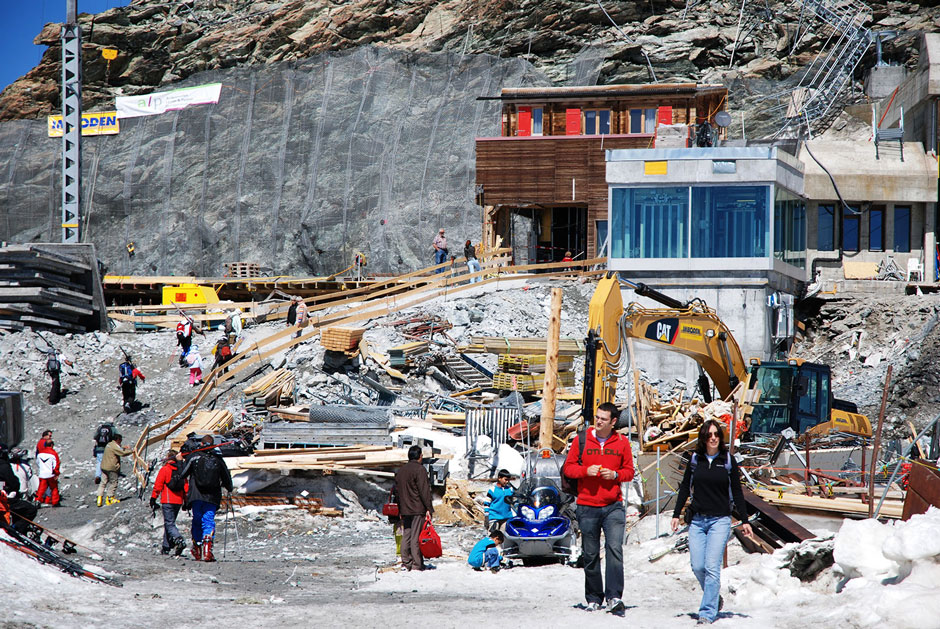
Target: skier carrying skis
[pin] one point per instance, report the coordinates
(208, 475)
(128, 383)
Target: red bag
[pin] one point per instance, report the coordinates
(390, 508)
(429, 541)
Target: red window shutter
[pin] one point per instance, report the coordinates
(664, 115)
(572, 122)
(524, 126)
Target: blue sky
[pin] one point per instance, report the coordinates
(22, 20)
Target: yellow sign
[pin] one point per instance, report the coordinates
(109, 53)
(692, 332)
(654, 168)
(93, 123)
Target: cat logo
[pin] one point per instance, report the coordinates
(691, 332)
(663, 330)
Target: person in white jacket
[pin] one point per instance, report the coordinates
(48, 460)
(194, 360)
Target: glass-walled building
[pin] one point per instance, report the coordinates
(716, 209)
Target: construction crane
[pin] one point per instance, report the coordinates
(71, 124)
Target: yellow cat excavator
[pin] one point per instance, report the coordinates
(794, 393)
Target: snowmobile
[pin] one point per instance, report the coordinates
(541, 528)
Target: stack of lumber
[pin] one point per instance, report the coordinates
(45, 290)
(242, 269)
(528, 383)
(340, 339)
(531, 363)
(517, 345)
(273, 389)
(458, 506)
(361, 460)
(403, 355)
(204, 423)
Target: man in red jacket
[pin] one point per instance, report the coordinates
(170, 503)
(607, 461)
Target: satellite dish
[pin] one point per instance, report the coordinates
(723, 119)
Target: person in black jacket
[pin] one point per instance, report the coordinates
(21, 509)
(714, 482)
(208, 475)
(414, 500)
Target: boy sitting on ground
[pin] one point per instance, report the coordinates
(485, 553)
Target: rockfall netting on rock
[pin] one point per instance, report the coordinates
(298, 167)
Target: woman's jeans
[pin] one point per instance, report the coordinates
(708, 537)
(473, 265)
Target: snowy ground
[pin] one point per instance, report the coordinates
(341, 589)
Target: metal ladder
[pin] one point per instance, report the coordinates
(825, 86)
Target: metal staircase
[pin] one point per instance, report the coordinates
(823, 90)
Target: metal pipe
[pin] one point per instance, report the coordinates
(874, 452)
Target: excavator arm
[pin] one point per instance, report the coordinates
(692, 329)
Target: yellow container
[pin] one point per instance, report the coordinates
(189, 294)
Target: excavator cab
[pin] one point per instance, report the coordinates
(798, 395)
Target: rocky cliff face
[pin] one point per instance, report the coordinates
(160, 42)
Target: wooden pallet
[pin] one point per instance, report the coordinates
(528, 383)
(531, 363)
(340, 339)
(205, 423)
(401, 355)
(242, 269)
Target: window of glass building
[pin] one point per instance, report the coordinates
(826, 228)
(850, 232)
(649, 222)
(902, 228)
(789, 228)
(876, 231)
(730, 221)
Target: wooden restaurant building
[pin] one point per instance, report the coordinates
(542, 183)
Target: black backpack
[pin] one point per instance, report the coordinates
(207, 473)
(103, 434)
(570, 485)
(177, 481)
(52, 363)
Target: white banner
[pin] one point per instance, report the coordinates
(160, 102)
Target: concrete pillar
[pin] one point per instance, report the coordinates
(930, 250)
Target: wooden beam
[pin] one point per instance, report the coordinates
(546, 428)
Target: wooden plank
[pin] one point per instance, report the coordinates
(778, 522)
(890, 509)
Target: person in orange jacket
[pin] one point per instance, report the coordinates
(600, 467)
(170, 504)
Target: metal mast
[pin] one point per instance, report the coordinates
(71, 123)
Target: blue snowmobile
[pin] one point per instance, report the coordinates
(541, 528)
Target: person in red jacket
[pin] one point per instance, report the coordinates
(170, 504)
(48, 460)
(606, 462)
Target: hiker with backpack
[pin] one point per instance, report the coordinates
(713, 479)
(184, 336)
(599, 460)
(102, 439)
(194, 360)
(128, 383)
(223, 353)
(171, 502)
(54, 369)
(208, 476)
(233, 326)
(111, 470)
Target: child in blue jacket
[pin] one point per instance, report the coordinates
(498, 509)
(485, 553)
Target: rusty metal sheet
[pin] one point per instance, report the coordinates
(923, 491)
